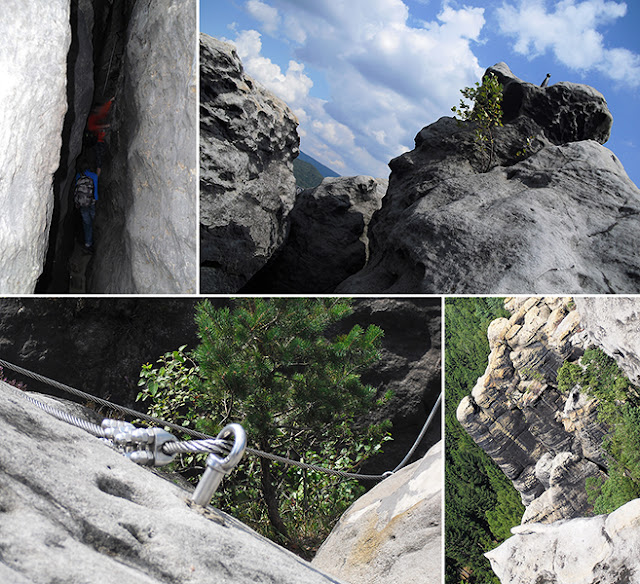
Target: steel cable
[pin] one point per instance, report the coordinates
(216, 446)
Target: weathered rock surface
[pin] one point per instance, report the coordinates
(146, 222)
(33, 101)
(327, 240)
(391, 535)
(547, 443)
(556, 213)
(594, 550)
(72, 510)
(248, 141)
(613, 324)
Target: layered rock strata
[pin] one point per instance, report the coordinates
(550, 210)
(545, 442)
(393, 534)
(33, 102)
(248, 141)
(327, 239)
(594, 550)
(147, 221)
(73, 510)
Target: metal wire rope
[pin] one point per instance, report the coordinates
(210, 443)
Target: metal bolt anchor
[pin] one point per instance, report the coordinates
(218, 467)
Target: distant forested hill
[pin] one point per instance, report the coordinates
(309, 172)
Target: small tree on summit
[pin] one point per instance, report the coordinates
(486, 111)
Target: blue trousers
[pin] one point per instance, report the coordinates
(88, 215)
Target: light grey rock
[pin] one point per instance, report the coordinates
(613, 324)
(72, 510)
(327, 240)
(146, 221)
(248, 141)
(516, 414)
(595, 550)
(393, 534)
(559, 215)
(33, 101)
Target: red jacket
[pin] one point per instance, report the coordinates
(96, 121)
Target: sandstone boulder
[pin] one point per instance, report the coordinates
(327, 240)
(33, 102)
(73, 510)
(248, 141)
(393, 534)
(146, 219)
(594, 550)
(551, 211)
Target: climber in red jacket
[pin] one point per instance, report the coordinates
(98, 127)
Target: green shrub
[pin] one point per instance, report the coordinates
(271, 365)
(485, 111)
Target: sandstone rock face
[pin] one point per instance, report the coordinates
(248, 141)
(327, 240)
(146, 221)
(545, 442)
(391, 535)
(613, 324)
(72, 510)
(595, 550)
(555, 213)
(33, 101)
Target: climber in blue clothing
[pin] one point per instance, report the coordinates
(85, 195)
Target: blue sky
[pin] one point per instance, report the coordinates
(364, 76)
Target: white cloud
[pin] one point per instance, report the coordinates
(570, 32)
(267, 15)
(386, 77)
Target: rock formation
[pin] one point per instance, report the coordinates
(594, 550)
(33, 60)
(391, 535)
(547, 443)
(147, 221)
(73, 510)
(327, 239)
(555, 212)
(613, 324)
(248, 141)
(143, 53)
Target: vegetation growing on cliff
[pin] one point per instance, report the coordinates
(619, 408)
(481, 505)
(271, 365)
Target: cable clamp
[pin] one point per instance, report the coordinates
(142, 445)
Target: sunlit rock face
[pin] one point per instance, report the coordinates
(593, 550)
(549, 210)
(393, 534)
(33, 101)
(248, 141)
(547, 443)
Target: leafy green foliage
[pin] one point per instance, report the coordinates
(485, 110)
(271, 365)
(481, 505)
(619, 408)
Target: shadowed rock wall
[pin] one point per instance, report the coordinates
(146, 223)
(33, 101)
